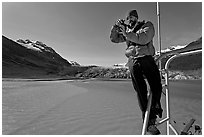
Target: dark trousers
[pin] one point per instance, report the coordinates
(141, 68)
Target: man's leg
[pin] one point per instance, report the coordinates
(152, 74)
(140, 87)
(139, 84)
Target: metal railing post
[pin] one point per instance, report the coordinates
(168, 115)
(146, 118)
(167, 100)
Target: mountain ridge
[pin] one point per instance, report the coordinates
(34, 59)
(178, 68)
(14, 54)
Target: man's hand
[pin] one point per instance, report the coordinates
(120, 23)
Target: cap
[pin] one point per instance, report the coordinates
(132, 13)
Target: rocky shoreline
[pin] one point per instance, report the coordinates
(123, 73)
(178, 75)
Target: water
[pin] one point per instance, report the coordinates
(186, 89)
(88, 107)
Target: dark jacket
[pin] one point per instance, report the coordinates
(139, 40)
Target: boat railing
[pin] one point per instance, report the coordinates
(174, 54)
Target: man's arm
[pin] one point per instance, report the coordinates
(116, 36)
(142, 36)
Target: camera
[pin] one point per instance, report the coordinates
(122, 22)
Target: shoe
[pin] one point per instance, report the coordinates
(152, 129)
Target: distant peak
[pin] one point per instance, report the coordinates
(35, 45)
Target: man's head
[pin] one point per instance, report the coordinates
(132, 17)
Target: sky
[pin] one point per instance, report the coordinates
(80, 31)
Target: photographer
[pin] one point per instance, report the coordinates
(138, 36)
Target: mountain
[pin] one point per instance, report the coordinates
(26, 58)
(34, 59)
(185, 67)
(175, 47)
(182, 63)
(74, 63)
(197, 44)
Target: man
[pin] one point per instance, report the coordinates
(140, 50)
